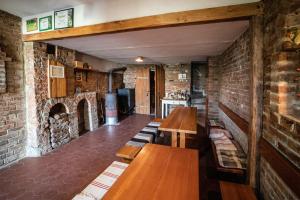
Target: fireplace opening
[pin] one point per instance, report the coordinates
(83, 117)
(59, 126)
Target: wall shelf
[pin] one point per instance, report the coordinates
(291, 49)
(85, 70)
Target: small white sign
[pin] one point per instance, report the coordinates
(57, 71)
(182, 76)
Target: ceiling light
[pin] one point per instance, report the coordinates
(139, 59)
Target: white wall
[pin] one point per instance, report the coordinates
(111, 10)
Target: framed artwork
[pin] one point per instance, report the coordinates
(64, 18)
(57, 71)
(32, 24)
(78, 76)
(45, 23)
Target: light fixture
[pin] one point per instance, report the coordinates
(139, 59)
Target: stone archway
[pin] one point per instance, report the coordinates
(83, 117)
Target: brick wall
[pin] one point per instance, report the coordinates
(234, 85)
(235, 79)
(130, 75)
(272, 186)
(2, 72)
(38, 103)
(172, 83)
(12, 121)
(228, 83)
(213, 85)
(281, 127)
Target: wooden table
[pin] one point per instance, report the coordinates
(234, 191)
(128, 153)
(182, 120)
(159, 172)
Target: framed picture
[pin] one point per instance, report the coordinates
(57, 71)
(78, 76)
(45, 23)
(32, 24)
(64, 18)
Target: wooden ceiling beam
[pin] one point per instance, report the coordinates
(224, 13)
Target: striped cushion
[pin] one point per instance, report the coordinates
(135, 144)
(99, 186)
(143, 136)
(150, 129)
(154, 124)
(82, 196)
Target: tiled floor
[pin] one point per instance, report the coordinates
(63, 173)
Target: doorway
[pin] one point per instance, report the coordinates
(198, 87)
(152, 91)
(83, 117)
(149, 90)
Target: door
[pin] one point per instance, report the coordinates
(57, 87)
(142, 91)
(159, 89)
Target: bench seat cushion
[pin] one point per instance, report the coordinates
(99, 186)
(232, 159)
(135, 144)
(150, 129)
(143, 136)
(154, 124)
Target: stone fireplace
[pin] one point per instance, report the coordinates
(57, 122)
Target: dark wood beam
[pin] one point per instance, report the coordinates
(256, 97)
(156, 21)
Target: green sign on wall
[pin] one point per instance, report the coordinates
(32, 24)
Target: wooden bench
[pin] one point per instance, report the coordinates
(232, 174)
(128, 153)
(102, 183)
(227, 173)
(233, 191)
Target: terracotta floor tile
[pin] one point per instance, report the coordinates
(66, 171)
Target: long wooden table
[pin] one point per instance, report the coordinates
(159, 172)
(182, 120)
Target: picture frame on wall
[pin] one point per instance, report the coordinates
(78, 76)
(64, 18)
(56, 71)
(45, 23)
(32, 24)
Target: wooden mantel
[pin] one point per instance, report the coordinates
(156, 21)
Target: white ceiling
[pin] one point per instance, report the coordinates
(170, 45)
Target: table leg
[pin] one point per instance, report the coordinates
(174, 139)
(182, 140)
(163, 111)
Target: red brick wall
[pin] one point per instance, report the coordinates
(235, 78)
(281, 125)
(228, 83)
(172, 83)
